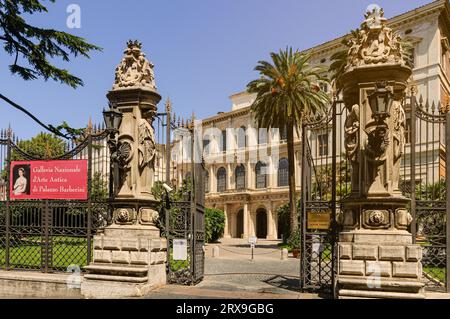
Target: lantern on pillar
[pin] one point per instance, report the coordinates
(380, 101)
(112, 119)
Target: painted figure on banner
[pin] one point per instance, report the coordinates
(20, 185)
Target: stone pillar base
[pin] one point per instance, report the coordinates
(129, 261)
(355, 288)
(379, 264)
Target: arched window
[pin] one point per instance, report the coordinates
(240, 177)
(206, 182)
(260, 172)
(221, 179)
(241, 137)
(206, 145)
(283, 172)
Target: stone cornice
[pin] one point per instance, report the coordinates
(247, 196)
(225, 116)
(434, 8)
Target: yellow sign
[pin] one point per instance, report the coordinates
(319, 220)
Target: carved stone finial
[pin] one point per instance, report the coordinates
(375, 43)
(375, 17)
(135, 70)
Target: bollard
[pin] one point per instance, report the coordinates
(284, 254)
(215, 252)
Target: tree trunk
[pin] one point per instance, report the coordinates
(292, 190)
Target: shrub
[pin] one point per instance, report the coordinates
(284, 220)
(294, 239)
(214, 224)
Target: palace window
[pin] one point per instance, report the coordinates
(262, 136)
(224, 141)
(413, 57)
(322, 140)
(283, 172)
(221, 179)
(206, 146)
(324, 87)
(260, 172)
(240, 177)
(241, 137)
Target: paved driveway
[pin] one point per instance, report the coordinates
(235, 275)
(234, 270)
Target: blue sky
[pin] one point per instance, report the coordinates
(203, 51)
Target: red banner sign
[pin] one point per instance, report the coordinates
(49, 180)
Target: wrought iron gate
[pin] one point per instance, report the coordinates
(425, 174)
(325, 180)
(185, 220)
(52, 235)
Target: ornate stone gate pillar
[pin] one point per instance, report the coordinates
(377, 258)
(129, 258)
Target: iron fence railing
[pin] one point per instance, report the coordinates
(53, 235)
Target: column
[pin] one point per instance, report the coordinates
(232, 225)
(246, 220)
(226, 233)
(270, 173)
(248, 175)
(230, 184)
(252, 226)
(270, 225)
(275, 220)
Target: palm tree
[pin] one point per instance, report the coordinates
(286, 92)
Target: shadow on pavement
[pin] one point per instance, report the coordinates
(283, 282)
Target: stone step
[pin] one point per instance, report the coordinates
(358, 294)
(385, 283)
(116, 270)
(116, 278)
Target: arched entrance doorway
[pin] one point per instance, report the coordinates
(240, 224)
(261, 223)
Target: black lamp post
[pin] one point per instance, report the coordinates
(112, 119)
(380, 101)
